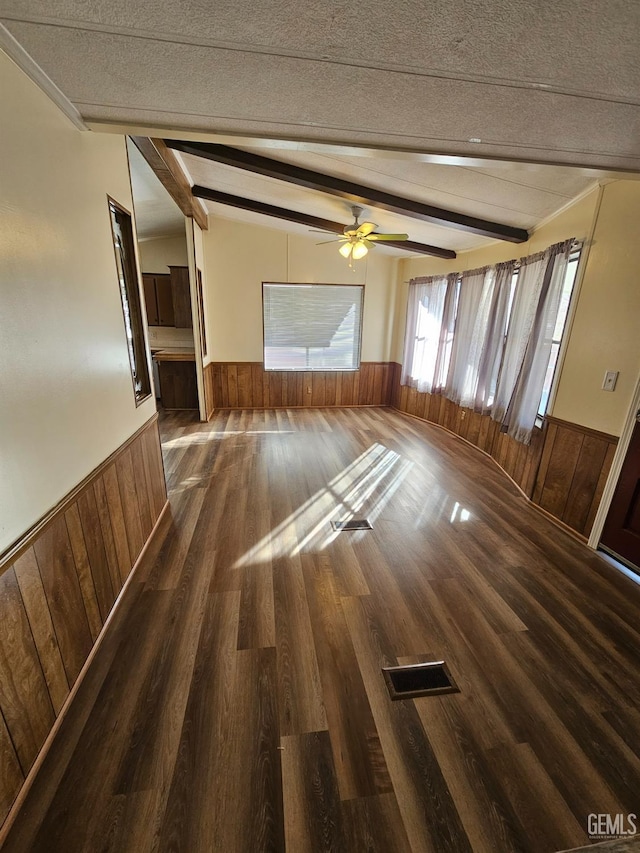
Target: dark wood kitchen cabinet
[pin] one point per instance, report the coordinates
(178, 383)
(168, 298)
(158, 297)
(181, 297)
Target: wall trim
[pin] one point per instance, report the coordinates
(558, 521)
(616, 468)
(605, 436)
(319, 406)
(27, 63)
(46, 746)
(261, 364)
(15, 550)
(594, 187)
(563, 471)
(552, 518)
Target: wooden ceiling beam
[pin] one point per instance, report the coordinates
(348, 190)
(164, 163)
(310, 221)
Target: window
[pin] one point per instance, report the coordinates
(130, 295)
(501, 340)
(431, 314)
(558, 332)
(312, 326)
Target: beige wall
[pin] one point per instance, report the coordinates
(606, 329)
(239, 257)
(604, 334)
(67, 397)
(159, 253)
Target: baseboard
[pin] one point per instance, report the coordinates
(552, 518)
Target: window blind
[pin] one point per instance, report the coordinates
(312, 326)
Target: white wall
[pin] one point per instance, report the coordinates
(66, 399)
(239, 257)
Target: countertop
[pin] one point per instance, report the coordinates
(174, 354)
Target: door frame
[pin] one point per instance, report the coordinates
(190, 225)
(616, 468)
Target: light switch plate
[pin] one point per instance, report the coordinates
(610, 379)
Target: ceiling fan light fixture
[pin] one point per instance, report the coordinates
(359, 250)
(345, 250)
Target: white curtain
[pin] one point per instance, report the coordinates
(429, 333)
(496, 357)
(474, 303)
(496, 329)
(525, 302)
(522, 409)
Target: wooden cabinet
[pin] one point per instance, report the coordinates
(168, 298)
(164, 291)
(150, 298)
(158, 296)
(178, 384)
(181, 297)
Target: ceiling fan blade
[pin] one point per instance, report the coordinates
(320, 231)
(394, 237)
(366, 228)
(324, 242)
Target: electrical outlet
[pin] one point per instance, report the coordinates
(610, 379)
(308, 389)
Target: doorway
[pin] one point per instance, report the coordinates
(621, 531)
(163, 252)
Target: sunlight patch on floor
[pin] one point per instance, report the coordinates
(363, 487)
(206, 437)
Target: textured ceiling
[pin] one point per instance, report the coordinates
(496, 80)
(554, 81)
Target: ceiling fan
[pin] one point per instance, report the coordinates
(359, 237)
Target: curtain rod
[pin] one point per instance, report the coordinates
(575, 247)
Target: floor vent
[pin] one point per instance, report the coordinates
(420, 679)
(352, 524)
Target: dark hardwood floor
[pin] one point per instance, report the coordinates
(237, 702)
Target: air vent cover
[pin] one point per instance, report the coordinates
(352, 524)
(420, 679)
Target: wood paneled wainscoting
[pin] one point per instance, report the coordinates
(249, 385)
(58, 585)
(563, 470)
(573, 471)
(209, 396)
